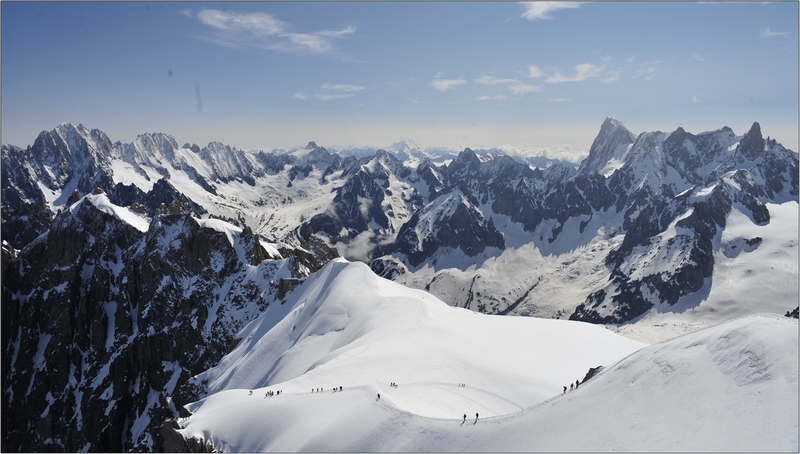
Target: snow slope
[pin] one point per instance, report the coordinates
(101, 201)
(730, 387)
(762, 275)
(551, 279)
(348, 327)
(727, 387)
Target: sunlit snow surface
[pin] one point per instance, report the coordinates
(348, 327)
(728, 387)
(124, 214)
(762, 277)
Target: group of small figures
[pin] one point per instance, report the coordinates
(462, 385)
(393, 384)
(319, 390)
(571, 386)
(269, 393)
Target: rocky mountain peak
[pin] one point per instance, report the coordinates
(467, 156)
(610, 144)
(465, 163)
(752, 144)
(158, 145)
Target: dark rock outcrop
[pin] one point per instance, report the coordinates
(103, 322)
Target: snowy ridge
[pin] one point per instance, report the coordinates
(662, 397)
(101, 202)
(349, 327)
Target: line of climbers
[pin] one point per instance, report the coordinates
(393, 385)
(571, 386)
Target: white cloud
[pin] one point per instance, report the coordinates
(558, 100)
(342, 87)
(487, 98)
(516, 87)
(767, 32)
(696, 99)
(259, 24)
(490, 80)
(534, 72)
(337, 33)
(647, 70)
(582, 72)
(648, 73)
(330, 92)
(314, 43)
(520, 89)
(542, 10)
(332, 96)
(264, 31)
(447, 84)
(359, 248)
(611, 77)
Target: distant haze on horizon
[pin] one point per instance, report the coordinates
(531, 76)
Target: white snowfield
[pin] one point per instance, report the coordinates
(727, 387)
(101, 202)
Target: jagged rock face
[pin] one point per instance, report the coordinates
(101, 322)
(704, 171)
(450, 221)
(366, 201)
(69, 155)
(23, 223)
(611, 144)
(355, 206)
(158, 200)
(377, 201)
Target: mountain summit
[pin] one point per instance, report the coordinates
(608, 148)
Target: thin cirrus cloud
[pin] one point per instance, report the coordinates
(518, 88)
(447, 84)
(610, 77)
(648, 70)
(583, 72)
(767, 32)
(648, 73)
(487, 98)
(264, 31)
(542, 10)
(329, 92)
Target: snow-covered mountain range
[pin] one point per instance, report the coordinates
(131, 270)
(730, 387)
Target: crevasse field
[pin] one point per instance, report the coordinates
(728, 387)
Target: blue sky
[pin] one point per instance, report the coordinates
(529, 75)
